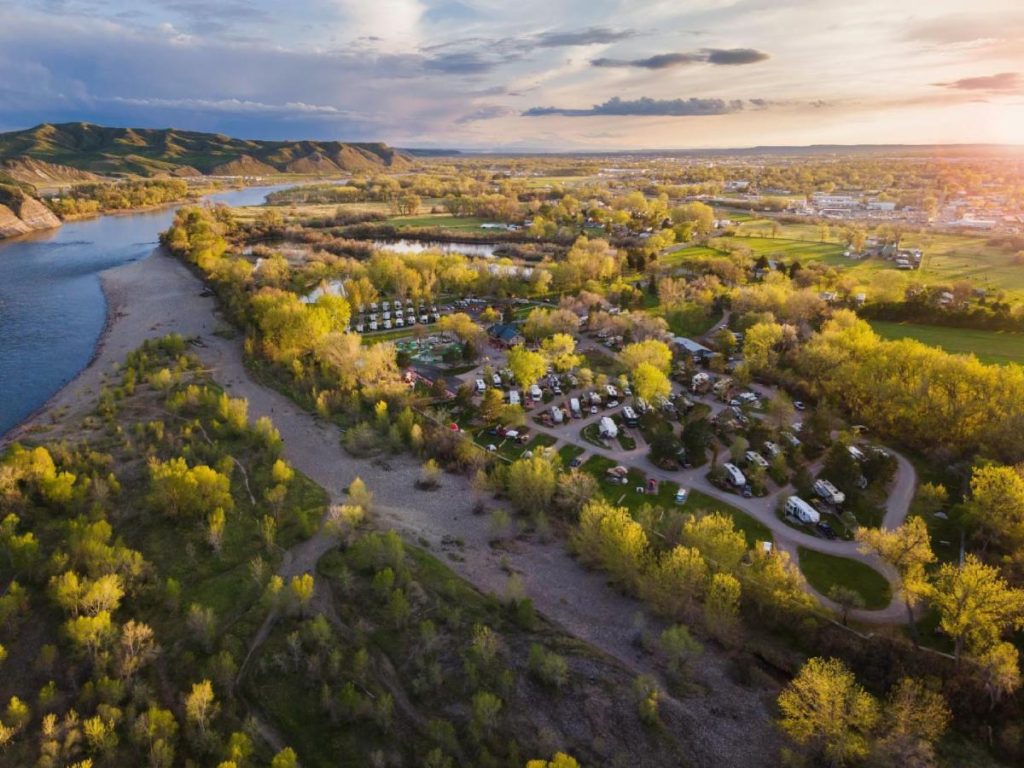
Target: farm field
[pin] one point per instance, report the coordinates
(988, 346)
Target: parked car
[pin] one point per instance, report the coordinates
(682, 495)
(826, 530)
(481, 387)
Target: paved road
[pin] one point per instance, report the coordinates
(762, 509)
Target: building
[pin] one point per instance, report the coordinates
(691, 347)
(505, 334)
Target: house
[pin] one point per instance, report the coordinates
(504, 334)
(691, 347)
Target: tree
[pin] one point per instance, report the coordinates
(999, 670)
(825, 710)
(286, 758)
(179, 490)
(722, 605)
(608, 536)
(650, 383)
(301, 587)
(575, 489)
(976, 606)
(676, 581)
(915, 719)
(201, 705)
(997, 506)
(680, 649)
(716, 538)
(136, 648)
(560, 760)
(651, 351)
(486, 709)
(532, 483)
(909, 549)
(847, 599)
(560, 350)
(759, 346)
(527, 366)
(491, 404)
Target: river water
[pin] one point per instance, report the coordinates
(52, 308)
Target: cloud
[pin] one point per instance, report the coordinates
(660, 61)
(486, 112)
(232, 106)
(718, 56)
(463, 63)
(591, 36)
(1004, 82)
(648, 107)
(734, 56)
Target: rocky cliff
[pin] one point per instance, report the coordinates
(20, 213)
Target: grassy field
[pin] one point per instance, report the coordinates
(989, 346)
(440, 220)
(826, 571)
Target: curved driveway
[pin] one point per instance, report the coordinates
(763, 508)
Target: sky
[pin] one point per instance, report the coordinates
(547, 75)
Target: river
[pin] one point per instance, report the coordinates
(52, 308)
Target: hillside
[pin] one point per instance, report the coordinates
(20, 212)
(151, 152)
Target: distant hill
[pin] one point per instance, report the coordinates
(169, 152)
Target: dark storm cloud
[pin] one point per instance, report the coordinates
(646, 107)
(1004, 82)
(717, 56)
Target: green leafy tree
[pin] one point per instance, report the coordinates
(827, 712)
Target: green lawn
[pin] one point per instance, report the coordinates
(989, 346)
(570, 452)
(627, 496)
(441, 220)
(826, 571)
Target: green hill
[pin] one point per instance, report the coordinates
(152, 152)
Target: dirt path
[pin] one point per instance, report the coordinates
(730, 725)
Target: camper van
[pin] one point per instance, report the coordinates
(630, 416)
(513, 397)
(535, 392)
(608, 428)
(574, 406)
(736, 477)
(856, 453)
(801, 510)
(556, 414)
(480, 386)
(829, 492)
(756, 459)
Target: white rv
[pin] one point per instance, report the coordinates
(609, 428)
(829, 492)
(736, 477)
(801, 510)
(556, 414)
(574, 406)
(513, 397)
(756, 459)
